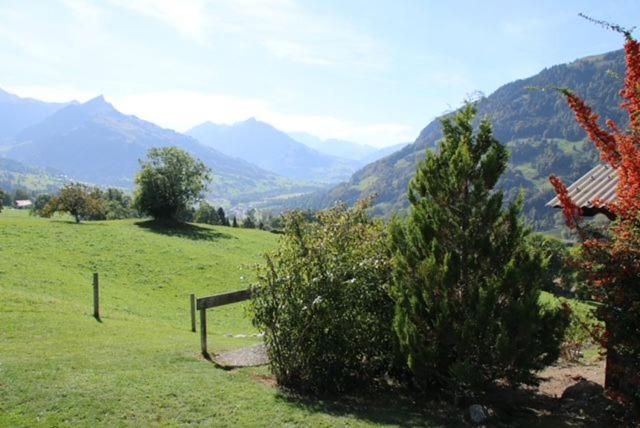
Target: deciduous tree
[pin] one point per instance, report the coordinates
(610, 255)
(169, 182)
(76, 199)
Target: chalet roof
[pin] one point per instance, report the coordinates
(599, 184)
(21, 203)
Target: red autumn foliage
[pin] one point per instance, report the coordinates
(610, 258)
(571, 211)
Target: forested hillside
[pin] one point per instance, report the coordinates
(528, 116)
(15, 175)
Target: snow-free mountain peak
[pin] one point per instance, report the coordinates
(93, 142)
(262, 144)
(17, 113)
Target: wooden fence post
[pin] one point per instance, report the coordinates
(211, 302)
(192, 298)
(96, 296)
(203, 332)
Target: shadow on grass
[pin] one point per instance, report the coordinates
(391, 406)
(510, 408)
(82, 223)
(183, 230)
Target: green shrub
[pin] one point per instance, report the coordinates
(466, 283)
(561, 277)
(323, 303)
(579, 334)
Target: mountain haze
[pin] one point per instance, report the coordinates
(262, 144)
(362, 153)
(17, 113)
(383, 152)
(334, 147)
(95, 143)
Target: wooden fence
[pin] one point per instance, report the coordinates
(205, 303)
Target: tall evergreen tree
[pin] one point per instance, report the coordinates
(249, 222)
(222, 217)
(465, 284)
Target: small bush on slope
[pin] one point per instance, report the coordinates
(323, 303)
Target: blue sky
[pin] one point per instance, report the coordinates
(374, 72)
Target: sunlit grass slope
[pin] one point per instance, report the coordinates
(141, 365)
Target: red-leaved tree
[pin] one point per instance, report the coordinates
(610, 257)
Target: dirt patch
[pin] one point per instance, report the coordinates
(568, 395)
(269, 381)
(245, 357)
(556, 379)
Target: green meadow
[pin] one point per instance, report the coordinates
(141, 365)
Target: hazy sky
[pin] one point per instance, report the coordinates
(371, 71)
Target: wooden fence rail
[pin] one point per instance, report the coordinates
(205, 303)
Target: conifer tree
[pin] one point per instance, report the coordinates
(465, 283)
(249, 221)
(222, 217)
(235, 222)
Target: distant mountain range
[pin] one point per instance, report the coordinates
(255, 164)
(95, 143)
(18, 113)
(361, 153)
(528, 116)
(383, 152)
(263, 145)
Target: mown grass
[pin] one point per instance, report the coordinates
(141, 365)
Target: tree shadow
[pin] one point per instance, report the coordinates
(183, 230)
(510, 407)
(528, 407)
(388, 406)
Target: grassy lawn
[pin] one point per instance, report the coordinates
(141, 365)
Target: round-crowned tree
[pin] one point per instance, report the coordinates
(78, 200)
(465, 282)
(169, 182)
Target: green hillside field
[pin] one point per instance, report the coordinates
(140, 366)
